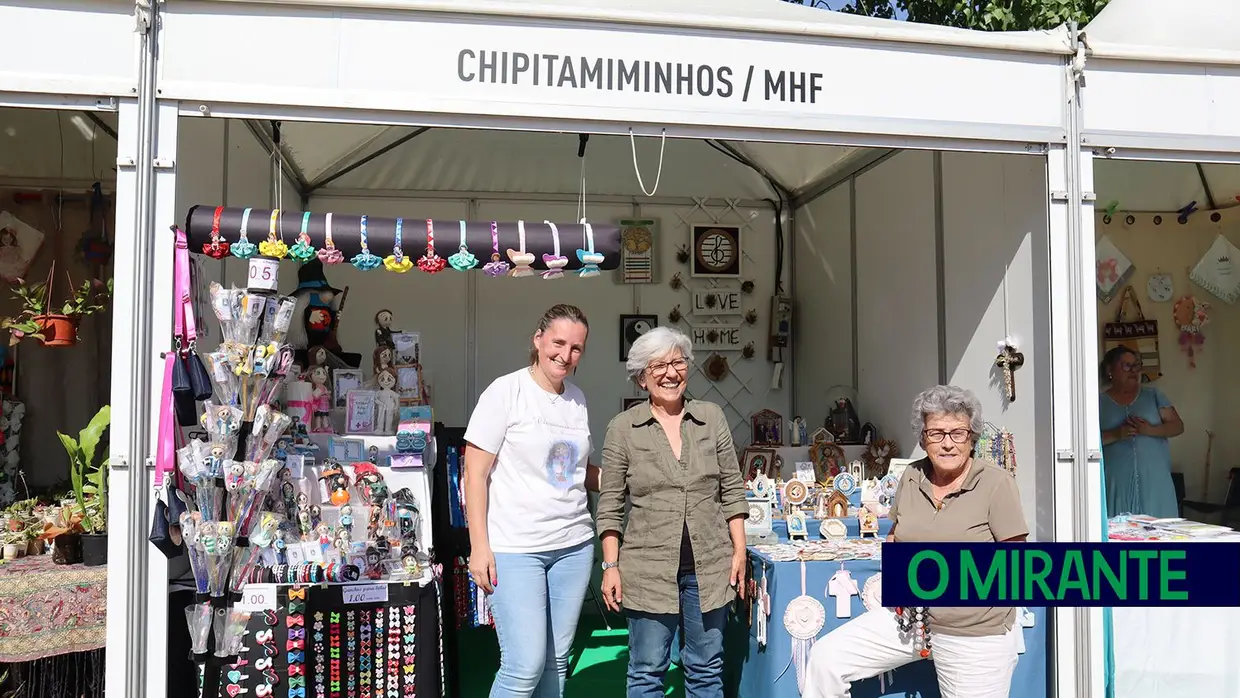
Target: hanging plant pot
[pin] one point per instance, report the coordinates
(57, 330)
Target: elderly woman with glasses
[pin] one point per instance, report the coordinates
(680, 559)
(1136, 422)
(948, 496)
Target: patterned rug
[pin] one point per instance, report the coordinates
(48, 609)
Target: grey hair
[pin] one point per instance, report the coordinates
(947, 399)
(654, 345)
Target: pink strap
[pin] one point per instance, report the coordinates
(185, 326)
(165, 451)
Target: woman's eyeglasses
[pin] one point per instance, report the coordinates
(1131, 367)
(935, 436)
(679, 365)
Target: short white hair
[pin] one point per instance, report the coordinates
(944, 400)
(654, 345)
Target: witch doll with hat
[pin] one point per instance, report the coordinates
(320, 317)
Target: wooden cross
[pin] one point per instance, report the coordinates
(1008, 361)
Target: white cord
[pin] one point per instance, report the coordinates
(658, 175)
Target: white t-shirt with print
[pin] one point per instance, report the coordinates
(537, 491)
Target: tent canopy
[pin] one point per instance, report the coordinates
(1180, 30)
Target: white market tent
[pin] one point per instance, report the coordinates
(351, 93)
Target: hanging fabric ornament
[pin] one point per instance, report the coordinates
(397, 261)
(329, 254)
(520, 258)
(218, 247)
(497, 266)
(555, 262)
(430, 262)
(303, 251)
(364, 260)
(1190, 315)
(588, 257)
(243, 248)
(463, 260)
(803, 619)
(274, 245)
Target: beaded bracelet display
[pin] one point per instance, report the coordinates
(365, 665)
(410, 639)
(320, 656)
(393, 651)
(350, 654)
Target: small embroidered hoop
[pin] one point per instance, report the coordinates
(588, 257)
(329, 254)
(243, 248)
(803, 619)
(555, 262)
(521, 260)
(430, 262)
(303, 250)
(274, 245)
(397, 262)
(463, 260)
(218, 247)
(497, 266)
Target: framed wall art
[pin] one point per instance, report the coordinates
(715, 251)
(638, 250)
(757, 461)
(632, 327)
(344, 380)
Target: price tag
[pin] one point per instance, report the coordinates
(257, 597)
(364, 593)
(264, 274)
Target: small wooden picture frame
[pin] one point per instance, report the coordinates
(797, 530)
(343, 381)
(758, 461)
(768, 428)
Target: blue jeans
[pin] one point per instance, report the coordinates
(650, 644)
(536, 604)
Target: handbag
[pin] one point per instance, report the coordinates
(1136, 333)
(190, 382)
(165, 532)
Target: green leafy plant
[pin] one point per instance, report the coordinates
(86, 299)
(88, 474)
(985, 15)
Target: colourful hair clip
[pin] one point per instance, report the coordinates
(274, 245)
(430, 262)
(218, 247)
(521, 259)
(588, 257)
(463, 260)
(303, 251)
(555, 262)
(329, 254)
(243, 248)
(364, 260)
(497, 266)
(397, 261)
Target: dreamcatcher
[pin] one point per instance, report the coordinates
(803, 619)
(877, 457)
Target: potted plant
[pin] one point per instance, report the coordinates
(65, 533)
(89, 476)
(14, 543)
(54, 324)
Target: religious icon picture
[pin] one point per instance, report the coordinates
(758, 461)
(716, 251)
(768, 428)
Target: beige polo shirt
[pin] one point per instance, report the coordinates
(986, 509)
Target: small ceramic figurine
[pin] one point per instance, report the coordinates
(322, 399)
(797, 429)
(387, 402)
(383, 329)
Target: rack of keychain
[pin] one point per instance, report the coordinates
(522, 248)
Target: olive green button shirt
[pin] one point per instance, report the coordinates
(986, 509)
(702, 489)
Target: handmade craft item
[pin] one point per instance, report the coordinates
(383, 330)
(588, 257)
(796, 432)
(218, 247)
(1008, 361)
(463, 260)
(915, 622)
(430, 262)
(803, 619)
(843, 587)
(1217, 272)
(329, 254)
(497, 266)
(243, 248)
(877, 457)
(521, 259)
(303, 251)
(274, 245)
(555, 262)
(872, 592)
(387, 401)
(365, 260)
(1130, 329)
(1113, 269)
(322, 400)
(1190, 316)
(397, 262)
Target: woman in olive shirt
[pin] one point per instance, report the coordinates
(673, 461)
(948, 496)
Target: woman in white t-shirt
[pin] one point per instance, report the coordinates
(527, 466)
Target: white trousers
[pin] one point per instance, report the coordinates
(871, 644)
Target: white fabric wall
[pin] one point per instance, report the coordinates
(994, 223)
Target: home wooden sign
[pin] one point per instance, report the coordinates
(716, 301)
(716, 337)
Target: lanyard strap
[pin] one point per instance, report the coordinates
(185, 327)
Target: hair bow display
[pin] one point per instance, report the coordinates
(291, 645)
(294, 621)
(430, 262)
(588, 257)
(329, 254)
(303, 250)
(297, 633)
(497, 266)
(218, 247)
(364, 260)
(296, 657)
(463, 260)
(274, 245)
(297, 593)
(555, 262)
(521, 259)
(243, 248)
(397, 261)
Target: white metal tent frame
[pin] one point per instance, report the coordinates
(946, 89)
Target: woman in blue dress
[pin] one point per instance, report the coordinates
(1136, 422)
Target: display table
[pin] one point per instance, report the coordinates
(48, 609)
(761, 676)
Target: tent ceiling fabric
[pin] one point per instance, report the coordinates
(1167, 27)
(1164, 186)
(43, 145)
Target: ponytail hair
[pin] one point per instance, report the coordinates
(560, 311)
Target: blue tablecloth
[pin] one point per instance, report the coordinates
(761, 674)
